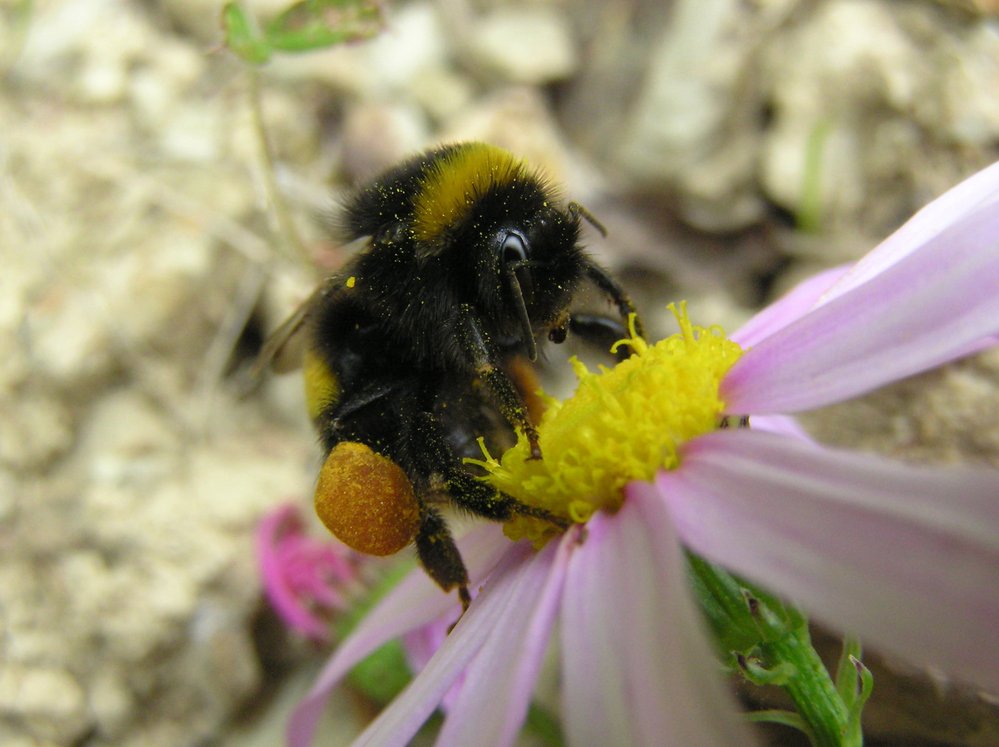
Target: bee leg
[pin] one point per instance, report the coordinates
(470, 494)
(600, 331)
(439, 555)
(386, 416)
(479, 498)
(603, 280)
(483, 359)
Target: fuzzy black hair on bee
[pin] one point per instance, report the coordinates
(422, 342)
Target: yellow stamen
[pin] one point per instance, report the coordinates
(622, 424)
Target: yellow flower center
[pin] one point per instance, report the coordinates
(622, 424)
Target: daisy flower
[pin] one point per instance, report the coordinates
(305, 580)
(904, 556)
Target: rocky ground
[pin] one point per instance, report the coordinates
(139, 270)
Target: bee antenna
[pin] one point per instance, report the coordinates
(526, 331)
(578, 211)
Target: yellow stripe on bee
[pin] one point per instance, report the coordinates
(322, 386)
(455, 181)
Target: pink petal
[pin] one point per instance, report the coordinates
(275, 551)
(906, 557)
(796, 303)
(401, 719)
(499, 682)
(421, 645)
(416, 601)
(782, 424)
(638, 669)
(976, 194)
(929, 307)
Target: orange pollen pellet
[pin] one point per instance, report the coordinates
(366, 500)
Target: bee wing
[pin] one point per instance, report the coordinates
(282, 351)
(284, 348)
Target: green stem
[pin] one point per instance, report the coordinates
(282, 216)
(771, 645)
(811, 689)
(723, 602)
(809, 215)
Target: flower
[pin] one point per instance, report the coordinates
(904, 556)
(304, 578)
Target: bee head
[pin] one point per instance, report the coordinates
(515, 258)
(536, 264)
(496, 223)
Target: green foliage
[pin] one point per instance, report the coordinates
(385, 672)
(809, 215)
(769, 644)
(544, 726)
(305, 26)
(15, 20)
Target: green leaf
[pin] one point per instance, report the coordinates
(316, 24)
(865, 686)
(383, 673)
(846, 672)
(544, 726)
(780, 674)
(784, 718)
(242, 35)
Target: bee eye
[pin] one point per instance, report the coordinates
(514, 248)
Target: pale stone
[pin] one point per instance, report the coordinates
(34, 431)
(49, 699)
(529, 45)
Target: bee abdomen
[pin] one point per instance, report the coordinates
(322, 385)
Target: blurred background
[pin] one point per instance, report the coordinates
(730, 147)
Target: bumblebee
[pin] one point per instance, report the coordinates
(424, 341)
